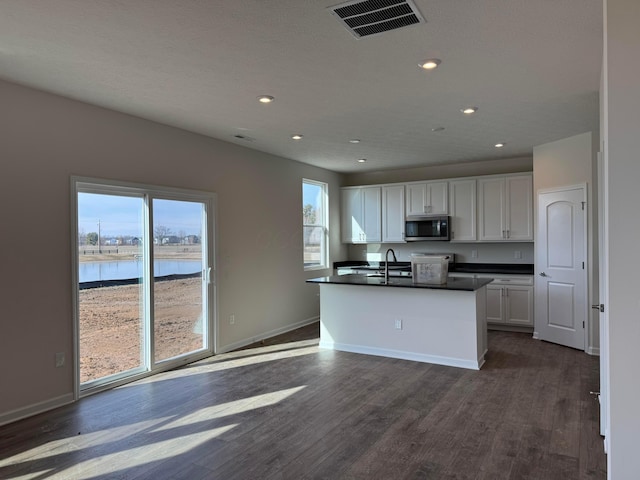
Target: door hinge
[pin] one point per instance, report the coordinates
(583, 324)
(583, 203)
(583, 265)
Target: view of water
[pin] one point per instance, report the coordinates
(123, 269)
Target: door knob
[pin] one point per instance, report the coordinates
(542, 274)
(599, 307)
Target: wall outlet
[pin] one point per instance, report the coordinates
(232, 319)
(517, 254)
(398, 324)
(59, 359)
(474, 253)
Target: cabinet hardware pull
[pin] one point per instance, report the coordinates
(542, 274)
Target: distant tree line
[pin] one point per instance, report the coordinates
(162, 236)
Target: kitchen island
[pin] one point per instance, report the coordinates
(443, 324)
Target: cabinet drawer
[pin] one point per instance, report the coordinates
(513, 280)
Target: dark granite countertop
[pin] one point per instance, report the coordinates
(464, 284)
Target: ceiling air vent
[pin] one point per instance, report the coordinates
(370, 17)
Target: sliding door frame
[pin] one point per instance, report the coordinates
(148, 193)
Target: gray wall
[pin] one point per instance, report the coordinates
(622, 204)
(45, 139)
(468, 169)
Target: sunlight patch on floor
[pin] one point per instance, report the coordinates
(232, 408)
(73, 443)
(138, 456)
(250, 357)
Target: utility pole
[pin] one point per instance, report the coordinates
(99, 247)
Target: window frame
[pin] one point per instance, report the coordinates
(323, 224)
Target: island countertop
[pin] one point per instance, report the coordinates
(464, 284)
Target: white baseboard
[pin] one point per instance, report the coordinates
(416, 357)
(536, 336)
(595, 351)
(269, 334)
(35, 408)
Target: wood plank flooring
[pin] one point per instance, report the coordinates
(285, 409)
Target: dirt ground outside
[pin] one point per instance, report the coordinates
(111, 325)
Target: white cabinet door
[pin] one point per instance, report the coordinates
(495, 313)
(351, 215)
(430, 198)
(371, 214)
(393, 214)
(360, 214)
(491, 204)
(462, 207)
(518, 305)
(416, 198)
(438, 197)
(519, 211)
(505, 208)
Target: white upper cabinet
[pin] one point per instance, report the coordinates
(393, 214)
(505, 208)
(360, 214)
(493, 208)
(519, 207)
(462, 208)
(429, 198)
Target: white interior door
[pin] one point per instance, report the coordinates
(561, 293)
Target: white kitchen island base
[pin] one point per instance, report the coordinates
(446, 327)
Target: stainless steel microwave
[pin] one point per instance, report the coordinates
(427, 228)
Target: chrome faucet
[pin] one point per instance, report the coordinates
(386, 263)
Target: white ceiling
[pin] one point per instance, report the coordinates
(531, 66)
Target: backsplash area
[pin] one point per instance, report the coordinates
(465, 252)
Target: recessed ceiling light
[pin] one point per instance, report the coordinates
(297, 136)
(362, 160)
(437, 129)
(500, 145)
(430, 64)
(265, 99)
(469, 110)
(354, 140)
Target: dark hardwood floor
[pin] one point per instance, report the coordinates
(288, 410)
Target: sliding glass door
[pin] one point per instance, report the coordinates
(179, 289)
(144, 295)
(111, 286)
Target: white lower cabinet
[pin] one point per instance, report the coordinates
(509, 299)
(510, 304)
